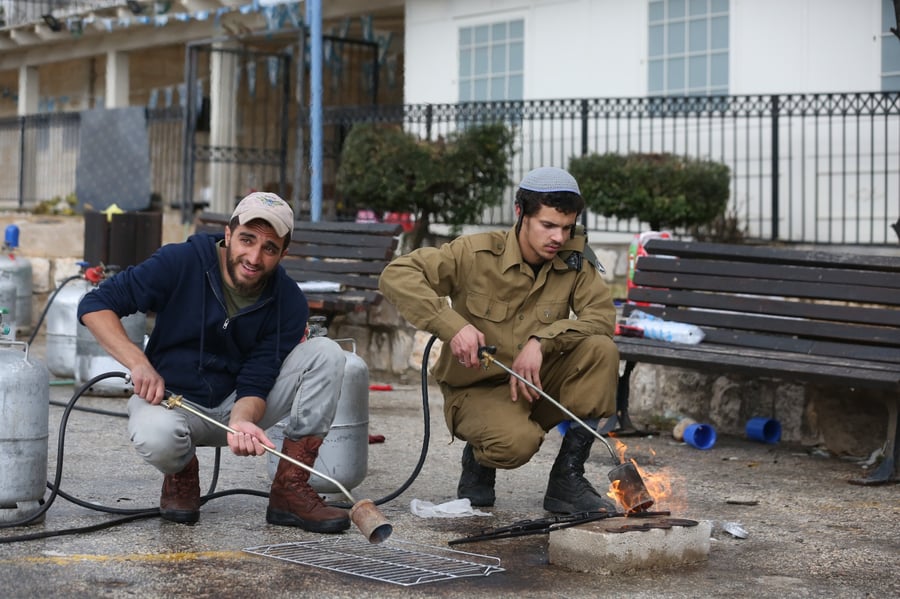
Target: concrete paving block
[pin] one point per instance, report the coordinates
(592, 548)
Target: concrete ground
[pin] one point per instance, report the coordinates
(809, 532)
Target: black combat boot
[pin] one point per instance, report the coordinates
(476, 483)
(568, 491)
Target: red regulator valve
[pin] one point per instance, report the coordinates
(95, 274)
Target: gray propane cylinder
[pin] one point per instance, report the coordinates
(344, 455)
(24, 431)
(8, 306)
(62, 327)
(19, 270)
(92, 360)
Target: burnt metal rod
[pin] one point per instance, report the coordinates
(178, 401)
(531, 527)
(485, 354)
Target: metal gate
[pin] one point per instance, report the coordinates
(236, 112)
(246, 116)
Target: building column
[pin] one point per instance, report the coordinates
(29, 90)
(29, 93)
(222, 127)
(118, 85)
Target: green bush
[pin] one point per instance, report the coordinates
(452, 179)
(663, 190)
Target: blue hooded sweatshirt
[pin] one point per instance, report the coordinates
(200, 352)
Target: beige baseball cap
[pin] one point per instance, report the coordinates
(267, 206)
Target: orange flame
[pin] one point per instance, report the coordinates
(617, 494)
(664, 486)
(658, 484)
(620, 449)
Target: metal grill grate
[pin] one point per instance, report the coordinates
(397, 562)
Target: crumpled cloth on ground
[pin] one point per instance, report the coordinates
(458, 508)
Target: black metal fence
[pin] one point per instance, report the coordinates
(40, 157)
(811, 168)
(805, 168)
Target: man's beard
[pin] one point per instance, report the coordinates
(231, 266)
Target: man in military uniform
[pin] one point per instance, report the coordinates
(517, 290)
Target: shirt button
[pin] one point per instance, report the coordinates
(521, 317)
(519, 346)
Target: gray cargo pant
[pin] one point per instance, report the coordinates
(306, 392)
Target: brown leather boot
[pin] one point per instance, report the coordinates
(292, 502)
(180, 497)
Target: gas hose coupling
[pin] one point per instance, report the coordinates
(172, 400)
(486, 355)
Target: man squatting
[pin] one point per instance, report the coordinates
(515, 290)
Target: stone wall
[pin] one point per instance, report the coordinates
(843, 420)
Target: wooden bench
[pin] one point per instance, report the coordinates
(348, 254)
(821, 317)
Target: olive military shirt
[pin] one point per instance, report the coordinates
(490, 286)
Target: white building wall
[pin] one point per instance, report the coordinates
(573, 48)
(597, 48)
(809, 46)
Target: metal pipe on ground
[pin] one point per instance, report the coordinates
(367, 518)
(633, 493)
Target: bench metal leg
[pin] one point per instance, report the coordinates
(621, 420)
(886, 470)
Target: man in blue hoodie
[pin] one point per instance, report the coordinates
(229, 336)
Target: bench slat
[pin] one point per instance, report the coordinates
(341, 251)
(733, 268)
(758, 362)
(800, 289)
(333, 238)
(749, 253)
(713, 351)
(810, 347)
(317, 268)
(343, 302)
(762, 305)
(347, 280)
(879, 336)
(211, 228)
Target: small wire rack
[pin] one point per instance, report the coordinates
(397, 562)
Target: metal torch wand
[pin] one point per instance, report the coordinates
(486, 355)
(634, 495)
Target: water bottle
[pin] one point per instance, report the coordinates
(665, 330)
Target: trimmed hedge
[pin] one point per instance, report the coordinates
(664, 190)
(452, 179)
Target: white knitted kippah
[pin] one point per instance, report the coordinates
(547, 179)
